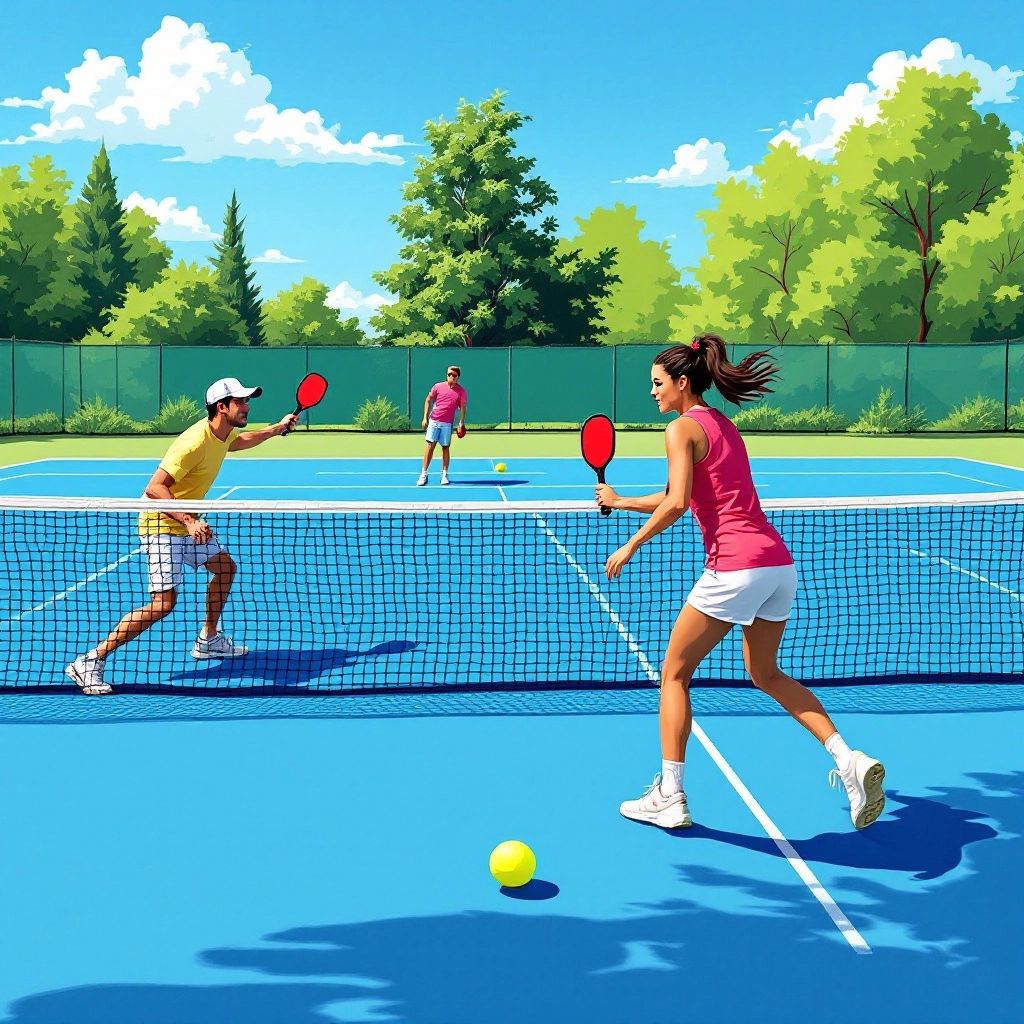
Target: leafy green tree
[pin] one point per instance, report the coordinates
(236, 276)
(148, 256)
(639, 305)
(760, 237)
(855, 290)
(930, 161)
(300, 316)
(37, 283)
(98, 248)
(479, 266)
(980, 290)
(185, 307)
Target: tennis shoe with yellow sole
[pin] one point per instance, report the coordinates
(862, 781)
(87, 672)
(219, 646)
(657, 809)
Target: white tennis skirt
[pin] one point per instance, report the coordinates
(742, 595)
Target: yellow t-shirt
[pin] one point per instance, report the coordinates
(194, 460)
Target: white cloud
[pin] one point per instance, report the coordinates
(175, 224)
(1016, 138)
(14, 101)
(194, 95)
(700, 163)
(351, 302)
(817, 134)
(275, 256)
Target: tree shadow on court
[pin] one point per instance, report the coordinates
(743, 950)
(282, 668)
(494, 481)
(925, 836)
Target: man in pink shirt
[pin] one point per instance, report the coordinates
(447, 396)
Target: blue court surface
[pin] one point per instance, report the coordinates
(191, 859)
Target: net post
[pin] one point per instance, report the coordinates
(1006, 385)
(510, 388)
(906, 381)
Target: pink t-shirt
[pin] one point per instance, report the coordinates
(737, 534)
(446, 400)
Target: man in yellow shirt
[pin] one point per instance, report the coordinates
(172, 540)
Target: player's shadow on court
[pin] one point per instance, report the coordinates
(284, 668)
(494, 481)
(925, 836)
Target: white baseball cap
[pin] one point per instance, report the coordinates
(229, 387)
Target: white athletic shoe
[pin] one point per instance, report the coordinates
(658, 809)
(87, 672)
(862, 781)
(444, 479)
(422, 480)
(219, 646)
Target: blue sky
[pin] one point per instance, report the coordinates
(314, 111)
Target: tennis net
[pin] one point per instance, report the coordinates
(353, 598)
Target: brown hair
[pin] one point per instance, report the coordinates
(704, 363)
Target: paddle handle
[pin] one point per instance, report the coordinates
(298, 412)
(605, 510)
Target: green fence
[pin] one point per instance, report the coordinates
(547, 386)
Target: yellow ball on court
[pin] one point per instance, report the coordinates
(513, 863)
(500, 467)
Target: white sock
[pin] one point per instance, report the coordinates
(672, 777)
(94, 653)
(837, 747)
(204, 635)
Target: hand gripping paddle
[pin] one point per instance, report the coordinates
(597, 440)
(310, 392)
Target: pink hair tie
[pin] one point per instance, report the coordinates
(695, 344)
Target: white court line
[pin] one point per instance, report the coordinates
(77, 586)
(975, 480)
(796, 862)
(967, 572)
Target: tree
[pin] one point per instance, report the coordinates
(760, 238)
(99, 252)
(185, 307)
(235, 275)
(980, 288)
(40, 297)
(931, 160)
(854, 290)
(148, 256)
(477, 259)
(639, 305)
(300, 316)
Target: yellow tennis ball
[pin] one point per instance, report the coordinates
(500, 467)
(512, 863)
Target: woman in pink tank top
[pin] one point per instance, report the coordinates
(749, 578)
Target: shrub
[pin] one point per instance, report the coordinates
(759, 417)
(176, 415)
(884, 417)
(766, 417)
(382, 415)
(42, 423)
(978, 413)
(96, 417)
(1016, 416)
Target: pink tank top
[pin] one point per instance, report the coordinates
(737, 534)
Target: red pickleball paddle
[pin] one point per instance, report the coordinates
(597, 441)
(310, 392)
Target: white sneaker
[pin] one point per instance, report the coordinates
(444, 479)
(658, 809)
(87, 672)
(219, 646)
(422, 480)
(862, 781)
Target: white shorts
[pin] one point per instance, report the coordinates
(169, 554)
(742, 595)
(437, 431)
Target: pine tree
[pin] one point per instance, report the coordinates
(99, 251)
(235, 275)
